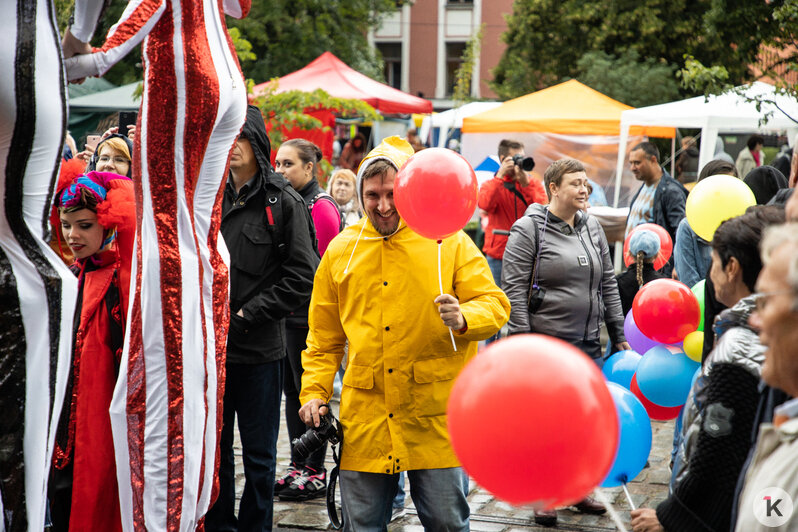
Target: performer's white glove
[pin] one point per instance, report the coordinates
(81, 66)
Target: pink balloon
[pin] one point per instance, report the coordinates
(435, 192)
(545, 435)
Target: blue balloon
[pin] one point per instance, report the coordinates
(635, 442)
(665, 374)
(621, 367)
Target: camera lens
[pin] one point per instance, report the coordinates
(527, 164)
(307, 443)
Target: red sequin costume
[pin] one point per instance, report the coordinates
(166, 412)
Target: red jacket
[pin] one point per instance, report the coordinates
(504, 208)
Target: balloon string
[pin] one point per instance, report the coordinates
(440, 287)
(602, 497)
(628, 496)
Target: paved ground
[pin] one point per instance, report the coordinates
(487, 513)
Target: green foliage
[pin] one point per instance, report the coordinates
(63, 10)
(464, 74)
(546, 38)
(628, 79)
(698, 78)
(243, 47)
(286, 110)
(779, 33)
(288, 34)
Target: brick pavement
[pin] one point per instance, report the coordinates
(487, 513)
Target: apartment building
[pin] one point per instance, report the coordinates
(423, 43)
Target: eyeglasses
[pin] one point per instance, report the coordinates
(117, 160)
(761, 298)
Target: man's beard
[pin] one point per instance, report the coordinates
(381, 224)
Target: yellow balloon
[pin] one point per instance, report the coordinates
(694, 345)
(715, 199)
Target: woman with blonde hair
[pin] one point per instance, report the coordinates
(342, 188)
(113, 154)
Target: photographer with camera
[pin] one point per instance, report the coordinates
(504, 199)
(376, 287)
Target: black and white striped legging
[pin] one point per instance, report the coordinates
(37, 291)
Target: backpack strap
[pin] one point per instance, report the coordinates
(329, 198)
(274, 217)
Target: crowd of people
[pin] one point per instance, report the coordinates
(160, 337)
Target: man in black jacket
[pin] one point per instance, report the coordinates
(660, 200)
(266, 227)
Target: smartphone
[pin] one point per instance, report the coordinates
(126, 118)
(92, 141)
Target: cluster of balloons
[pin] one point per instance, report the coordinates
(539, 407)
(665, 324)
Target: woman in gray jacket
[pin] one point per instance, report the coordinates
(559, 278)
(557, 268)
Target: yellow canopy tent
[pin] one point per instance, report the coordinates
(566, 120)
(570, 108)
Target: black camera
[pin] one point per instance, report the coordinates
(535, 299)
(526, 163)
(329, 429)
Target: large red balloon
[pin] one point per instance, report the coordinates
(435, 192)
(660, 413)
(666, 311)
(665, 245)
(532, 420)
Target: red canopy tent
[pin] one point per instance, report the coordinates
(332, 75)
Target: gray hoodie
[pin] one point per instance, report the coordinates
(575, 270)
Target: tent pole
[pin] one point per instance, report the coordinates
(673, 157)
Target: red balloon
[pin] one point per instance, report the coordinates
(532, 420)
(435, 192)
(660, 413)
(665, 245)
(666, 311)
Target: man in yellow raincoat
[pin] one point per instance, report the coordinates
(377, 286)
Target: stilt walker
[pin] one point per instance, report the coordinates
(166, 412)
(37, 290)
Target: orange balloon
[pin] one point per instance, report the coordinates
(539, 408)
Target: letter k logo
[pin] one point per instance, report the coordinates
(772, 506)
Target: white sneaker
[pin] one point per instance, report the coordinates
(397, 514)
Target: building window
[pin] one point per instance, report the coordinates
(459, 2)
(392, 57)
(454, 58)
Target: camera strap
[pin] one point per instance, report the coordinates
(541, 238)
(332, 513)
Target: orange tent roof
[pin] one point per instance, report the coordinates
(570, 108)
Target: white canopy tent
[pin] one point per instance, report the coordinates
(725, 113)
(451, 119)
